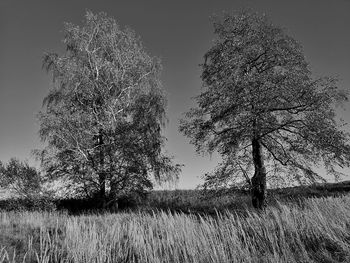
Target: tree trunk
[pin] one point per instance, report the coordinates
(258, 182)
(112, 202)
(101, 175)
(102, 192)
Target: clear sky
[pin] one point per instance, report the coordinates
(177, 31)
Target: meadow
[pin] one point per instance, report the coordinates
(315, 230)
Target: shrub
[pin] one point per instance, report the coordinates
(26, 204)
(22, 179)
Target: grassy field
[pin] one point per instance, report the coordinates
(317, 231)
(209, 203)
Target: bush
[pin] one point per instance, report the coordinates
(22, 179)
(77, 206)
(132, 200)
(25, 204)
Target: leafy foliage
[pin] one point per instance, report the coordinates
(21, 179)
(104, 114)
(258, 85)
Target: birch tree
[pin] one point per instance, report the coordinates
(103, 116)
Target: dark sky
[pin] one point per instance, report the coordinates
(177, 31)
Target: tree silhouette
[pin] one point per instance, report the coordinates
(262, 110)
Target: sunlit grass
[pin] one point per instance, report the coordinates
(318, 232)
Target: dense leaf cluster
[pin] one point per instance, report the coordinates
(104, 113)
(258, 85)
(21, 179)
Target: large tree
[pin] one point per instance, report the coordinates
(262, 110)
(103, 116)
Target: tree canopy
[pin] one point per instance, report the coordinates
(21, 179)
(262, 109)
(103, 116)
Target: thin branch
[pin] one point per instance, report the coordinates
(274, 156)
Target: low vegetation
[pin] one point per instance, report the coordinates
(317, 231)
(177, 201)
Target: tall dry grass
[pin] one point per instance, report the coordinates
(317, 232)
